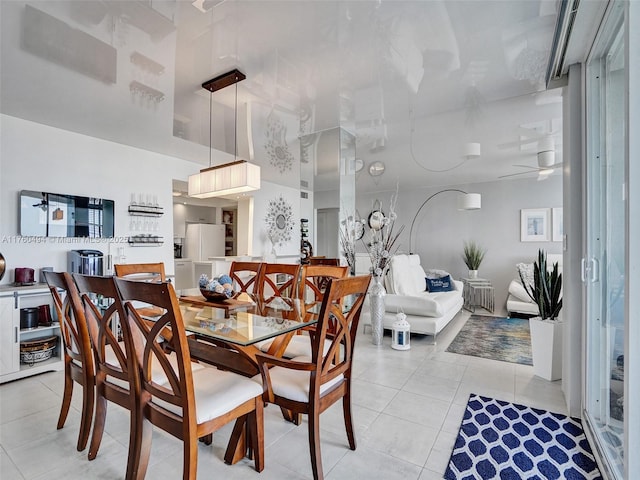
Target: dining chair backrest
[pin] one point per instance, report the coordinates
(148, 342)
(244, 276)
(332, 262)
(339, 325)
(77, 352)
(144, 272)
(278, 281)
(313, 282)
(110, 333)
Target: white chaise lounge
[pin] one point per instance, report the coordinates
(427, 312)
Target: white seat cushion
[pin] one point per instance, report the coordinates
(294, 384)
(216, 393)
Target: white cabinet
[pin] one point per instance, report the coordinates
(184, 276)
(9, 332)
(12, 299)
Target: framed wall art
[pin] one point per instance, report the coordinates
(535, 225)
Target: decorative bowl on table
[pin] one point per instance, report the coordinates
(216, 289)
(213, 296)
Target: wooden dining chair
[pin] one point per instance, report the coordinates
(117, 379)
(188, 404)
(244, 276)
(277, 286)
(311, 297)
(77, 353)
(145, 272)
(309, 386)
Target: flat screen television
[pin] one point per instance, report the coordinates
(44, 214)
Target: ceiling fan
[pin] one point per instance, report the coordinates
(546, 157)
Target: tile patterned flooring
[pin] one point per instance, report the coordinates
(408, 406)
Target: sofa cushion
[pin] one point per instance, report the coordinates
(424, 304)
(525, 271)
(517, 290)
(406, 275)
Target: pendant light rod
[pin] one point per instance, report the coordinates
(210, 127)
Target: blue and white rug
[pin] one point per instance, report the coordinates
(506, 441)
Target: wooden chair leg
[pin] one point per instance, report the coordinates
(140, 433)
(190, 458)
(66, 397)
(289, 416)
(98, 426)
(256, 434)
(314, 445)
(348, 420)
(88, 398)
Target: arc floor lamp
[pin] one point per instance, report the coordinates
(466, 201)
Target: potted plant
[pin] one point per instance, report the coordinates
(473, 255)
(546, 330)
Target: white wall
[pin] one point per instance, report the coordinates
(37, 157)
(441, 229)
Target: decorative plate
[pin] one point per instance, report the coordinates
(279, 221)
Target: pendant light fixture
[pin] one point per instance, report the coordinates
(230, 178)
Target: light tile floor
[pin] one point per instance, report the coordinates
(408, 406)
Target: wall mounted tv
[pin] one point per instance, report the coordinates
(44, 214)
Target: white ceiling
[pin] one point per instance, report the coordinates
(415, 80)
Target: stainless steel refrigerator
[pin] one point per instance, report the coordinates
(204, 240)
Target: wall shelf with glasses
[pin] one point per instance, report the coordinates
(145, 211)
(145, 241)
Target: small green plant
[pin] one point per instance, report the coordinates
(546, 288)
(473, 255)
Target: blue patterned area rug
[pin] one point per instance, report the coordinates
(497, 338)
(506, 441)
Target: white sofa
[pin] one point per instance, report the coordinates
(427, 312)
(519, 303)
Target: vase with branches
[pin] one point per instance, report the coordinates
(382, 244)
(350, 228)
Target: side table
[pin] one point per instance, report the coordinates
(478, 292)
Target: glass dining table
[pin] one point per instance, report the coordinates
(240, 334)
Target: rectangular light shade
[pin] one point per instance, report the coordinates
(227, 179)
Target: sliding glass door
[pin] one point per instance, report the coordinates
(604, 267)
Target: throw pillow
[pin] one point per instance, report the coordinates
(435, 273)
(525, 270)
(442, 284)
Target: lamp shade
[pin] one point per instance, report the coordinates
(472, 150)
(470, 201)
(227, 179)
